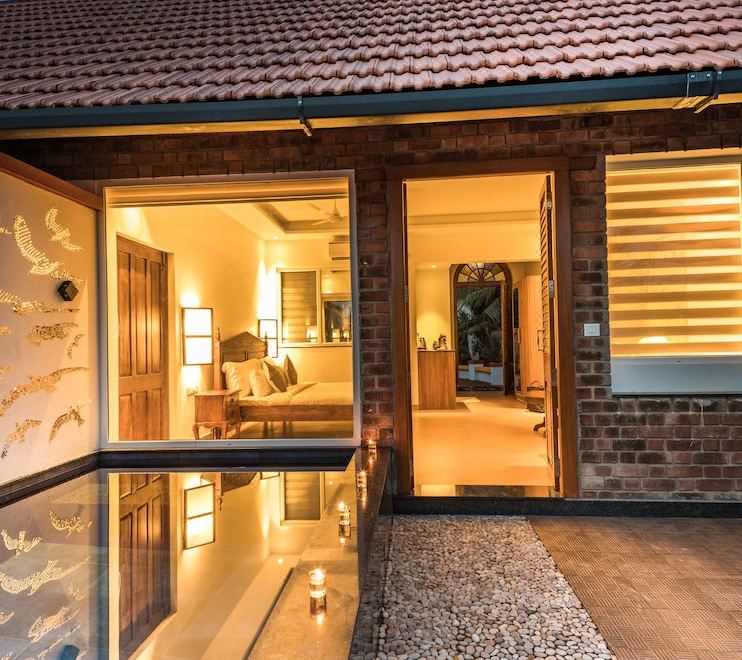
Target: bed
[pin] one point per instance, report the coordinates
(301, 402)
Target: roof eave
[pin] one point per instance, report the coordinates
(694, 90)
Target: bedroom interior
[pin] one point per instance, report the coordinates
(233, 311)
(476, 334)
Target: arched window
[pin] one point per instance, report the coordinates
(479, 273)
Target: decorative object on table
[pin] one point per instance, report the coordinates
(198, 336)
(67, 291)
(436, 346)
(69, 525)
(40, 263)
(41, 333)
(317, 593)
(60, 234)
(442, 342)
(19, 435)
(26, 307)
(72, 415)
(45, 625)
(217, 410)
(47, 383)
(199, 505)
(19, 544)
(74, 344)
(421, 344)
(35, 581)
(344, 521)
(268, 332)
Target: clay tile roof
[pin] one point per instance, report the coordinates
(110, 52)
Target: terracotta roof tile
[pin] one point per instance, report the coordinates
(108, 52)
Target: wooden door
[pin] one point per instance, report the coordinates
(143, 331)
(549, 342)
(144, 556)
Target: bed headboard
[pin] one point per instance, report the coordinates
(241, 347)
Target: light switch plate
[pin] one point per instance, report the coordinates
(591, 330)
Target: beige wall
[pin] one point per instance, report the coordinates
(313, 363)
(27, 360)
(214, 262)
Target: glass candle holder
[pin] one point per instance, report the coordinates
(362, 480)
(372, 449)
(344, 521)
(317, 593)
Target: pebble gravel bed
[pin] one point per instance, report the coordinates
(479, 587)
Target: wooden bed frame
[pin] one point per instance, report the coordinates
(247, 346)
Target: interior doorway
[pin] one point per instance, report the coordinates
(481, 313)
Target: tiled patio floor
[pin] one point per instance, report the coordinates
(667, 589)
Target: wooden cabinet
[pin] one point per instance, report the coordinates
(217, 410)
(437, 379)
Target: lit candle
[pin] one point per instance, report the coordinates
(362, 481)
(344, 524)
(317, 593)
(372, 449)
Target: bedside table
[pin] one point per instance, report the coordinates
(217, 410)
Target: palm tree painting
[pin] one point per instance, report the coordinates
(479, 324)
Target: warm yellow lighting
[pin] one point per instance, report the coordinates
(336, 334)
(344, 521)
(189, 299)
(280, 561)
(362, 480)
(654, 340)
(199, 505)
(434, 266)
(268, 332)
(312, 333)
(198, 330)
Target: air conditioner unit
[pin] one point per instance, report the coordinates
(340, 251)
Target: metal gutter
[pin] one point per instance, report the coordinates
(682, 90)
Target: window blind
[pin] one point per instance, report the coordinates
(675, 261)
(299, 306)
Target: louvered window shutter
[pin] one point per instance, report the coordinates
(299, 306)
(675, 261)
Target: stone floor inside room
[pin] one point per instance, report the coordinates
(488, 440)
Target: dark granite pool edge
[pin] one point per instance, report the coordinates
(279, 459)
(536, 506)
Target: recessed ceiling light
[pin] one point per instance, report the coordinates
(434, 266)
(275, 238)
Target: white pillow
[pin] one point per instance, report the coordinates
(237, 375)
(259, 384)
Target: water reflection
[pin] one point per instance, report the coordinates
(172, 565)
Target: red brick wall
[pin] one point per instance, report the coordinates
(629, 446)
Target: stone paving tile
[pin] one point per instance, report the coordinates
(658, 589)
(479, 587)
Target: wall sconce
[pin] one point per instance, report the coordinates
(268, 332)
(344, 521)
(198, 342)
(199, 505)
(317, 593)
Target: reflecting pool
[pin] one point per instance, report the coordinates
(181, 565)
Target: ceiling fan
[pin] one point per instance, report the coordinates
(333, 217)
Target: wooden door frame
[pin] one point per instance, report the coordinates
(558, 167)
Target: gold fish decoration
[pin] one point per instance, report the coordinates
(73, 593)
(19, 435)
(4, 618)
(45, 653)
(44, 625)
(36, 580)
(5, 330)
(26, 307)
(72, 415)
(19, 544)
(40, 263)
(4, 370)
(60, 234)
(74, 344)
(69, 525)
(40, 333)
(37, 383)
(4, 230)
